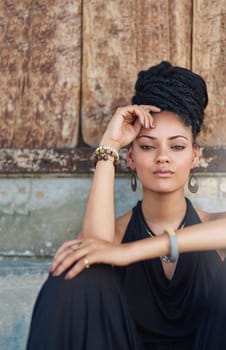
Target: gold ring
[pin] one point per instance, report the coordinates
(75, 246)
(87, 264)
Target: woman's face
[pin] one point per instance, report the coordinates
(163, 156)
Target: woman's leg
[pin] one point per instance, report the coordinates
(88, 312)
(212, 333)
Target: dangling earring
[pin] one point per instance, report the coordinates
(193, 184)
(133, 181)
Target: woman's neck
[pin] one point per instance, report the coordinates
(163, 210)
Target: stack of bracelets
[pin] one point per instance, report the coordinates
(103, 153)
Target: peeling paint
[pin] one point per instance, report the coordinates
(78, 160)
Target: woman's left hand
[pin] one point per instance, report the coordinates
(78, 254)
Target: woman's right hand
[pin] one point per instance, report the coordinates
(73, 256)
(126, 124)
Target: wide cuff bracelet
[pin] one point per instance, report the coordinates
(174, 253)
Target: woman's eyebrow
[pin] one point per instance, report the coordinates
(170, 138)
(178, 136)
(147, 136)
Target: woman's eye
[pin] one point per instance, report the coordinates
(147, 147)
(178, 147)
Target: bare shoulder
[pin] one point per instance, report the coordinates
(205, 216)
(120, 226)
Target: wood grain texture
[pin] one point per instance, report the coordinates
(120, 38)
(109, 62)
(45, 44)
(163, 32)
(180, 32)
(40, 73)
(208, 59)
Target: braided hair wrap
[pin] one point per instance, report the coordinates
(174, 89)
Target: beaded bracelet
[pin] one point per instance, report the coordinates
(103, 153)
(174, 254)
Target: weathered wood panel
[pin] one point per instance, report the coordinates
(163, 32)
(120, 38)
(209, 60)
(40, 73)
(78, 161)
(109, 62)
(180, 32)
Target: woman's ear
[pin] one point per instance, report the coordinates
(129, 158)
(196, 153)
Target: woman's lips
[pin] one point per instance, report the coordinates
(163, 173)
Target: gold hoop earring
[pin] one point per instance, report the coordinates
(193, 184)
(133, 182)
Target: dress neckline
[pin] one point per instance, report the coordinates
(148, 233)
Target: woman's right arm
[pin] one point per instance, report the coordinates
(99, 215)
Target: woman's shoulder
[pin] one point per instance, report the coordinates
(206, 216)
(121, 224)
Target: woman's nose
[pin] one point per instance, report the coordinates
(162, 157)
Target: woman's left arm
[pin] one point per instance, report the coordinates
(210, 235)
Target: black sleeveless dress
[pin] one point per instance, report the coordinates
(211, 334)
(134, 307)
(167, 313)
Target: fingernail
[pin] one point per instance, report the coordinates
(56, 273)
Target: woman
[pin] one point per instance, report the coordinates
(155, 303)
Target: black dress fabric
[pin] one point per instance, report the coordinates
(88, 312)
(130, 308)
(167, 312)
(211, 334)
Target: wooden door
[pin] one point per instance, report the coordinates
(65, 65)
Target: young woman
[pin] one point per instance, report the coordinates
(142, 301)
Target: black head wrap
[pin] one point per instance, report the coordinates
(175, 89)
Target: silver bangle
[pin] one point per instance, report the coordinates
(174, 253)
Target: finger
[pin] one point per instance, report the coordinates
(148, 119)
(66, 244)
(137, 126)
(143, 116)
(62, 248)
(60, 259)
(68, 259)
(152, 108)
(82, 264)
(64, 251)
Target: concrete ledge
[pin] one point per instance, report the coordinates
(36, 216)
(20, 282)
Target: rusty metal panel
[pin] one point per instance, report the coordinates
(79, 161)
(40, 60)
(208, 59)
(120, 38)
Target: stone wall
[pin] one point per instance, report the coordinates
(36, 216)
